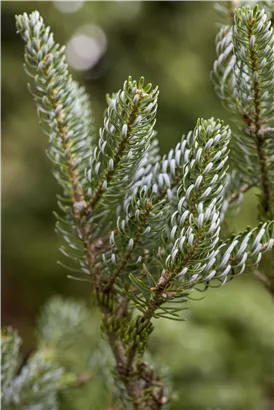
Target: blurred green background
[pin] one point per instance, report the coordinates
(221, 357)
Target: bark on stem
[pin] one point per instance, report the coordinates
(261, 140)
(128, 368)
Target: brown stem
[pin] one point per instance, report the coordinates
(266, 132)
(261, 140)
(78, 196)
(267, 281)
(242, 190)
(127, 367)
(160, 296)
(123, 307)
(262, 277)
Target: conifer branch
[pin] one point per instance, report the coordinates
(260, 140)
(145, 228)
(128, 129)
(58, 98)
(119, 150)
(242, 77)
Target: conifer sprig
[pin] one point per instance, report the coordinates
(61, 105)
(243, 78)
(10, 345)
(196, 222)
(128, 129)
(36, 385)
(66, 117)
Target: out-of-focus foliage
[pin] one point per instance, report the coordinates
(219, 357)
(214, 347)
(35, 384)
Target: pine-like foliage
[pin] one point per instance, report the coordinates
(243, 77)
(146, 230)
(35, 385)
(226, 9)
(36, 380)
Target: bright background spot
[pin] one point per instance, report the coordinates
(86, 47)
(68, 6)
(129, 9)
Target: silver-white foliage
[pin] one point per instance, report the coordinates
(140, 214)
(62, 105)
(61, 322)
(35, 386)
(243, 77)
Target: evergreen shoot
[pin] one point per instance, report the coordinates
(147, 230)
